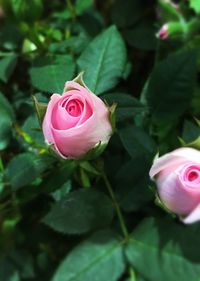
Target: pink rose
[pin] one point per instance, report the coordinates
(177, 175)
(76, 121)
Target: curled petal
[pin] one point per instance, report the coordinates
(194, 216)
(174, 159)
(175, 196)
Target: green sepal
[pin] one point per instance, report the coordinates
(95, 152)
(112, 110)
(78, 79)
(40, 108)
(194, 144)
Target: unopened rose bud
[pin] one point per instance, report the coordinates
(76, 122)
(163, 32)
(177, 175)
(171, 30)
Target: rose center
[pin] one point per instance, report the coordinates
(74, 108)
(193, 176)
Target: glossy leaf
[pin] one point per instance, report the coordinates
(101, 74)
(98, 258)
(49, 74)
(167, 249)
(80, 211)
(7, 65)
(171, 85)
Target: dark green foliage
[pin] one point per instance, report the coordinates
(171, 85)
(80, 211)
(98, 258)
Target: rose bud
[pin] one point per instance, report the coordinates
(163, 32)
(177, 175)
(76, 121)
(171, 30)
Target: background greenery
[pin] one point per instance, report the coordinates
(58, 221)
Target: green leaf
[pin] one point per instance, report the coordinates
(169, 10)
(8, 272)
(142, 35)
(49, 74)
(31, 129)
(80, 211)
(132, 184)
(57, 177)
(82, 6)
(195, 5)
(21, 9)
(167, 249)
(61, 192)
(99, 258)
(190, 131)
(171, 86)
(127, 13)
(6, 120)
(136, 141)
(24, 168)
(127, 106)
(104, 61)
(7, 65)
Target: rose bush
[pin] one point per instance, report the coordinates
(76, 121)
(177, 175)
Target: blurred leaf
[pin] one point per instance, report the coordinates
(10, 36)
(7, 117)
(24, 168)
(195, 5)
(7, 65)
(171, 85)
(132, 184)
(31, 128)
(190, 131)
(80, 211)
(136, 141)
(101, 74)
(142, 35)
(127, 105)
(8, 272)
(58, 176)
(23, 261)
(61, 192)
(20, 9)
(98, 258)
(49, 74)
(83, 5)
(126, 13)
(167, 249)
(169, 10)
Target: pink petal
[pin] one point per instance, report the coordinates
(194, 216)
(175, 196)
(46, 125)
(173, 159)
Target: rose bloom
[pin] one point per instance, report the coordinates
(177, 175)
(76, 121)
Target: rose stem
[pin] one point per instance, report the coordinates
(120, 217)
(117, 208)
